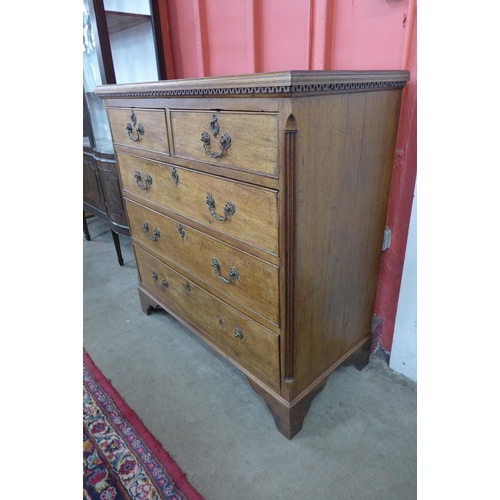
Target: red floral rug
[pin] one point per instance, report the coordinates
(121, 458)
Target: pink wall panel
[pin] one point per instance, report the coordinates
(227, 37)
(368, 34)
(285, 34)
(182, 39)
(321, 34)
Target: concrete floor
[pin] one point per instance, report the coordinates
(359, 439)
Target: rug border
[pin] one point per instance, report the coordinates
(156, 447)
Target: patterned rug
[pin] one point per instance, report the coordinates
(121, 458)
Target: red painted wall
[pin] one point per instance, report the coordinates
(215, 38)
(401, 195)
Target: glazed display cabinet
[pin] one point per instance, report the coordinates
(113, 31)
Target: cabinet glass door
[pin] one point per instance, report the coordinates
(98, 134)
(131, 36)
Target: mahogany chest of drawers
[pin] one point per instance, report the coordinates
(257, 209)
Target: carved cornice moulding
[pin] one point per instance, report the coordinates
(273, 84)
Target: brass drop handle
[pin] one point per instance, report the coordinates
(238, 334)
(175, 176)
(148, 180)
(228, 208)
(224, 143)
(162, 285)
(233, 273)
(154, 236)
(139, 130)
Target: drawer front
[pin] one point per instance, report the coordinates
(139, 128)
(246, 279)
(247, 141)
(248, 213)
(245, 339)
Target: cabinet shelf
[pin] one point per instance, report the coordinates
(120, 21)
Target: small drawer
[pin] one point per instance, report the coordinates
(246, 141)
(241, 337)
(243, 211)
(139, 128)
(248, 280)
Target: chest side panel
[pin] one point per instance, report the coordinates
(345, 150)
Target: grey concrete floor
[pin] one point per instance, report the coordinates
(359, 439)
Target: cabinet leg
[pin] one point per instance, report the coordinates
(147, 303)
(85, 227)
(360, 357)
(288, 417)
(116, 241)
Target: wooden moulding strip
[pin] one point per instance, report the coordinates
(273, 84)
(290, 136)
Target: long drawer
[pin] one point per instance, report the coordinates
(240, 336)
(246, 279)
(246, 212)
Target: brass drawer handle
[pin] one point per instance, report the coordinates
(139, 130)
(238, 334)
(228, 209)
(175, 176)
(148, 180)
(233, 273)
(156, 232)
(162, 285)
(224, 143)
